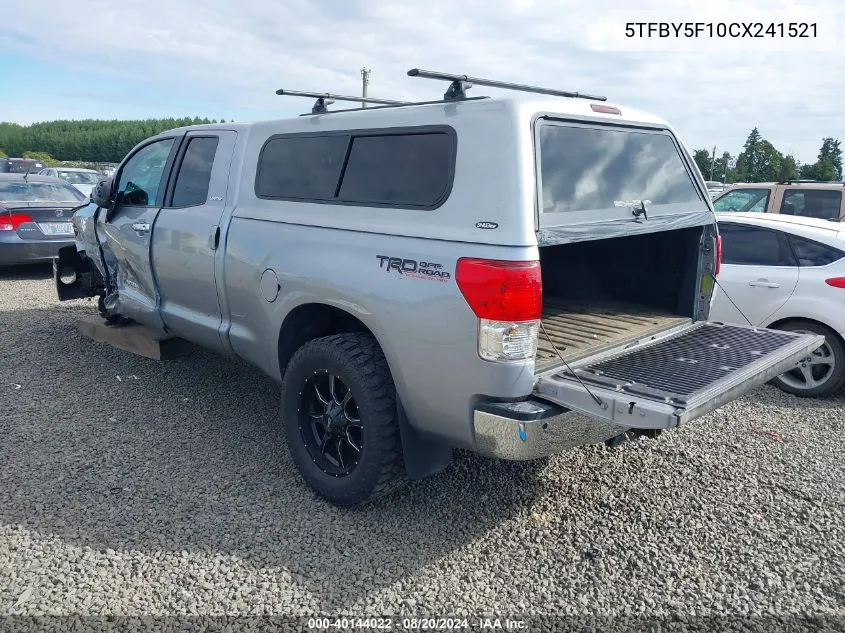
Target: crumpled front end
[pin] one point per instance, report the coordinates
(79, 271)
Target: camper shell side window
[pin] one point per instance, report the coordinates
(404, 168)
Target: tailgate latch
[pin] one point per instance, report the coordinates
(641, 211)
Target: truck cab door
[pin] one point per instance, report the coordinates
(127, 228)
(187, 260)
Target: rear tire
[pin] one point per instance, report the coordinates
(340, 418)
(824, 374)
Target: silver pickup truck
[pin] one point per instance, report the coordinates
(512, 276)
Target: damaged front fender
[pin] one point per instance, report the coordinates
(85, 229)
(74, 275)
(79, 271)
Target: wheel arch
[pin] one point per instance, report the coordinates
(313, 319)
(781, 321)
(837, 346)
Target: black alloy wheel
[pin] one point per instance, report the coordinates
(330, 424)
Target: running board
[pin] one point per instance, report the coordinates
(677, 378)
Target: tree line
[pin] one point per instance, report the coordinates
(760, 161)
(90, 140)
(99, 141)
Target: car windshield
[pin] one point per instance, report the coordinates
(38, 192)
(595, 169)
(79, 177)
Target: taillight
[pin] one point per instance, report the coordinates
(507, 297)
(836, 282)
(11, 221)
(718, 254)
(501, 290)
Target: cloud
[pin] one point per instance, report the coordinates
(232, 56)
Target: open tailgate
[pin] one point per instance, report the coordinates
(677, 378)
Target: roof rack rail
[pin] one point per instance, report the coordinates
(324, 99)
(461, 83)
(810, 180)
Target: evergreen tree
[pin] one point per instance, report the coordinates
(832, 153)
(788, 168)
(702, 159)
(759, 160)
(829, 163)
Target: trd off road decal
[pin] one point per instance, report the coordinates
(413, 268)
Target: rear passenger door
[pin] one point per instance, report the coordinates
(759, 274)
(186, 237)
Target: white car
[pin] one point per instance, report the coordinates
(787, 273)
(83, 179)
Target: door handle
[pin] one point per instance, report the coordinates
(764, 283)
(141, 227)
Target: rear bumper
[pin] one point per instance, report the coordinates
(16, 251)
(533, 428)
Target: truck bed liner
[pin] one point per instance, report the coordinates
(579, 329)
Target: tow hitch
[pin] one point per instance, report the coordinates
(633, 434)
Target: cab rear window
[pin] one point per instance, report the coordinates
(23, 166)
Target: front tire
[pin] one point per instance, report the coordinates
(340, 418)
(822, 373)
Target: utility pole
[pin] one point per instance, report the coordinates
(365, 81)
(713, 163)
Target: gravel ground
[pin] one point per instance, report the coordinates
(169, 491)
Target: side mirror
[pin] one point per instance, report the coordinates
(101, 193)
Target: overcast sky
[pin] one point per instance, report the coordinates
(226, 58)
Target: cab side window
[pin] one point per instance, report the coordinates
(195, 172)
(140, 179)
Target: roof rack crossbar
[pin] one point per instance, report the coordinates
(324, 99)
(460, 84)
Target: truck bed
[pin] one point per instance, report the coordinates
(579, 330)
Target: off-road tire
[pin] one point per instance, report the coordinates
(836, 381)
(357, 359)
